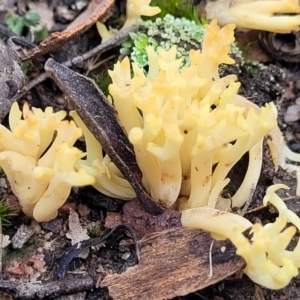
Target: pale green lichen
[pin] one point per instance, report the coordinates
(166, 32)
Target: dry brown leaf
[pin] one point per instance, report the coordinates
(97, 9)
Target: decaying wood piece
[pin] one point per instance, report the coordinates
(11, 76)
(41, 290)
(174, 263)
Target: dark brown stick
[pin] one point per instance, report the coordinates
(101, 118)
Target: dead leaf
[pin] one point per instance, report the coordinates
(97, 9)
(29, 266)
(76, 233)
(174, 263)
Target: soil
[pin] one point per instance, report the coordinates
(37, 261)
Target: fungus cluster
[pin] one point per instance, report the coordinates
(189, 128)
(280, 16)
(268, 261)
(108, 178)
(193, 130)
(38, 157)
(134, 10)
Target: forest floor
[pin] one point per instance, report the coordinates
(27, 273)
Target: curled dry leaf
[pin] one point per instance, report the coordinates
(282, 47)
(97, 9)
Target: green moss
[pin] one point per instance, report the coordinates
(95, 230)
(103, 81)
(164, 32)
(31, 23)
(6, 213)
(19, 255)
(178, 9)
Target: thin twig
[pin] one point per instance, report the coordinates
(119, 38)
(107, 45)
(257, 208)
(19, 40)
(95, 65)
(43, 290)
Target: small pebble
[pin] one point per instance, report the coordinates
(22, 236)
(54, 226)
(297, 101)
(3, 183)
(112, 220)
(48, 235)
(83, 210)
(125, 256)
(292, 114)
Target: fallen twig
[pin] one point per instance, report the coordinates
(41, 290)
(107, 45)
(19, 40)
(96, 10)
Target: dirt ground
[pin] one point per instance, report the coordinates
(36, 262)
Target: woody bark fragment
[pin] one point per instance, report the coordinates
(174, 263)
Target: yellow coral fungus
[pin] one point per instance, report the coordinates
(41, 171)
(193, 130)
(108, 178)
(269, 263)
(280, 16)
(134, 10)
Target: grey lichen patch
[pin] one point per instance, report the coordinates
(22, 236)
